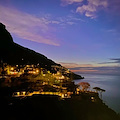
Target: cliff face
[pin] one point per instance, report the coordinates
(5, 37)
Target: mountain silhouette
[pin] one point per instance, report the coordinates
(14, 54)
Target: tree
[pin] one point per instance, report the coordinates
(99, 90)
(84, 85)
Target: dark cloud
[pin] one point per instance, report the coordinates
(97, 70)
(116, 60)
(112, 60)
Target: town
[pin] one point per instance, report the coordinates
(27, 80)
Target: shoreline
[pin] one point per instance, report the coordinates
(45, 101)
(110, 83)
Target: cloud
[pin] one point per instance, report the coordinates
(116, 60)
(68, 65)
(111, 31)
(66, 20)
(72, 18)
(74, 65)
(27, 26)
(70, 23)
(90, 69)
(97, 70)
(66, 2)
(112, 60)
(55, 22)
(30, 27)
(92, 7)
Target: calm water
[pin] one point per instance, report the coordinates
(110, 83)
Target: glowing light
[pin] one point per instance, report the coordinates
(37, 71)
(12, 68)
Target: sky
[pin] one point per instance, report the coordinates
(83, 35)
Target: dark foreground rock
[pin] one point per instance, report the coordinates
(45, 107)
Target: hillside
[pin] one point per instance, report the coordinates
(14, 54)
(45, 107)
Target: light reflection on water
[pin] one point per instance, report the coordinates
(110, 83)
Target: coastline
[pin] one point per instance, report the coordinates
(81, 105)
(110, 83)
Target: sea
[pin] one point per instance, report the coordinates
(111, 85)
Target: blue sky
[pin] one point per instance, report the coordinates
(82, 33)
